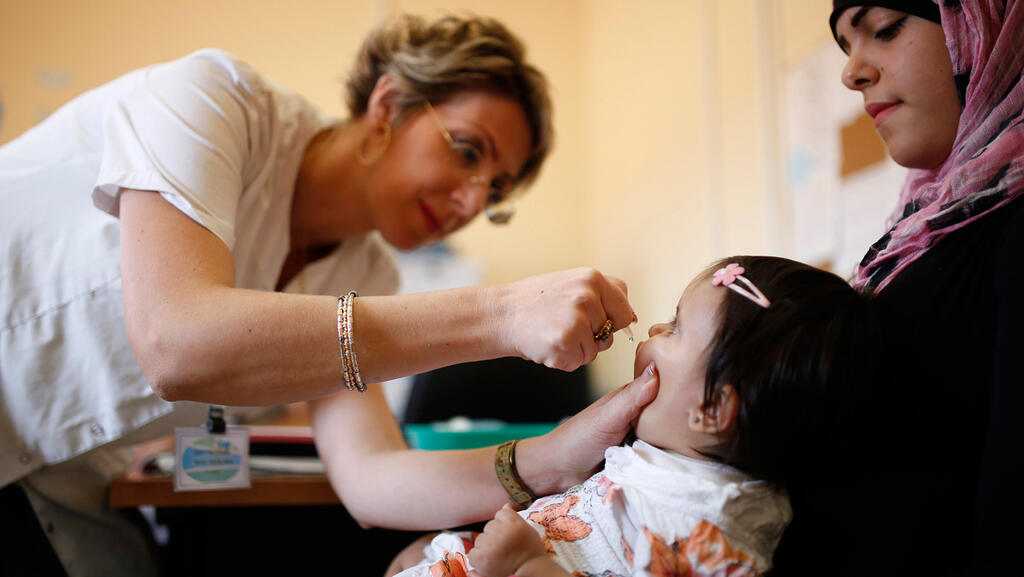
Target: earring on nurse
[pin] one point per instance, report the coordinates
(385, 141)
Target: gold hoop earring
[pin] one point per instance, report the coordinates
(368, 159)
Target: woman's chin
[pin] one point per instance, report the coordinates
(913, 154)
(403, 240)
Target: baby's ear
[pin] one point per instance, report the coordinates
(720, 415)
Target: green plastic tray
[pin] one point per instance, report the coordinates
(460, 433)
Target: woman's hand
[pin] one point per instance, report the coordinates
(574, 451)
(551, 319)
(507, 544)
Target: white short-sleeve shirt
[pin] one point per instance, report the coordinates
(215, 139)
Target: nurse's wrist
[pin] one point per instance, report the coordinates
(497, 318)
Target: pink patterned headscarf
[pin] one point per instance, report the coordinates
(985, 170)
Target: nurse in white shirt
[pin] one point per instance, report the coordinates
(184, 232)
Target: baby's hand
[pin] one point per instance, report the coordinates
(506, 544)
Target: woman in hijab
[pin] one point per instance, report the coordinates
(931, 490)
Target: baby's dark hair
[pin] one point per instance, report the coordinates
(801, 368)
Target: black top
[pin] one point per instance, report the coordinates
(930, 491)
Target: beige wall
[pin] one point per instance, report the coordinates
(646, 167)
(306, 45)
(802, 27)
(682, 163)
(665, 156)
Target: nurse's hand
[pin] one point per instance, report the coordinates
(575, 450)
(552, 319)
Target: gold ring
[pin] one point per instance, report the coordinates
(605, 333)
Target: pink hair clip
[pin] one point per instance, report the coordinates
(732, 272)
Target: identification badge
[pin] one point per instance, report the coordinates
(205, 461)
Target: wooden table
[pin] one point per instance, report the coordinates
(140, 489)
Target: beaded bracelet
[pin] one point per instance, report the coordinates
(349, 364)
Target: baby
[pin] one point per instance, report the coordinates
(761, 380)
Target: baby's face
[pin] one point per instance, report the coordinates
(678, 350)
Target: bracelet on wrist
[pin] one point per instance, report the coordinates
(346, 342)
(505, 468)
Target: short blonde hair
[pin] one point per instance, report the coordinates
(436, 60)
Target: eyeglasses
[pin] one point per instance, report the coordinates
(464, 157)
